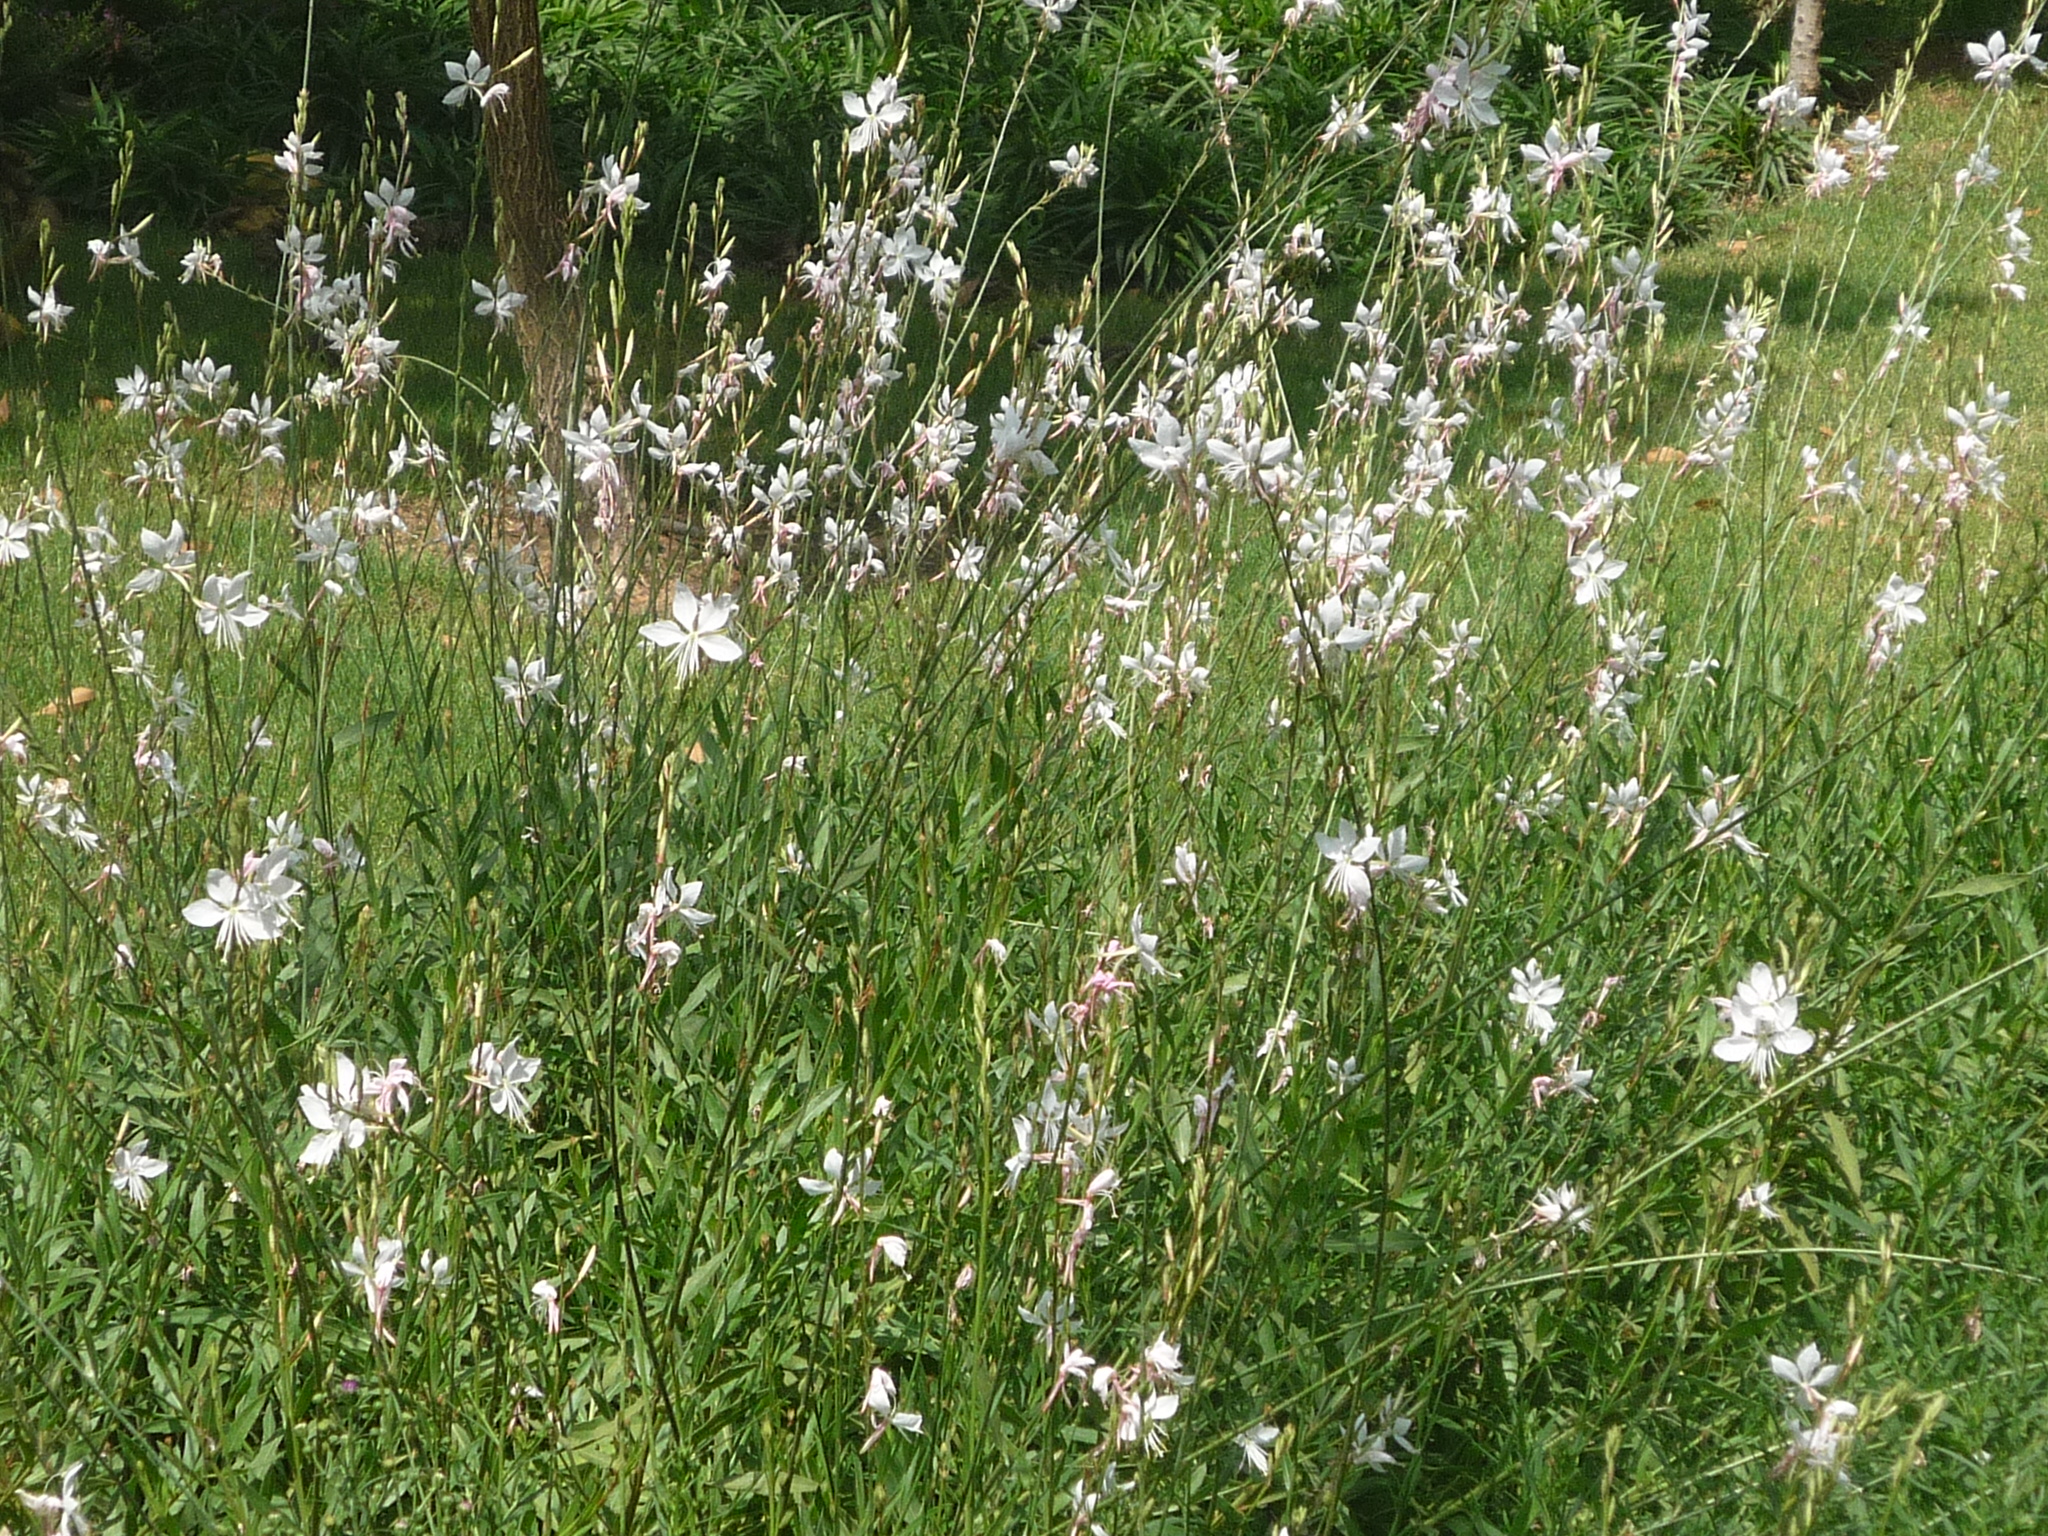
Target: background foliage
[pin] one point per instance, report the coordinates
(737, 94)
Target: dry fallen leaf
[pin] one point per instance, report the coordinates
(80, 697)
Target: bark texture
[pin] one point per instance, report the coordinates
(1806, 31)
(531, 212)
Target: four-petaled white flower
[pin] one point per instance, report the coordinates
(471, 77)
(301, 158)
(1898, 605)
(846, 1187)
(334, 1110)
(1373, 1437)
(1077, 167)
(1142, 1418)
(1997, 64)
(1593, 571)
(522, 685)
(45, 313)
(225, 612)
(1536, 995)
(497, 302)
(1808, 1374)
(1558, 158)
(502, 1076)
(168, 555)
(876, 115)
(695, 632)
(1758, 1198)
(1052, 14)
(132, 1168)
(1351, 853)
(615, 191)
(1763, 1023)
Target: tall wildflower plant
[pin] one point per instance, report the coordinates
(958, 906)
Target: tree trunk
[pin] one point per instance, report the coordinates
(1806, 24)
(531, 212)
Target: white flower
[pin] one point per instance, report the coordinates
(1783, 102)
(1189, 870)
(846, 1187)
(497, 303)
(502, 1075)
(333, 1110)
(1370, 1447)
(132, 1168)
(876, 115)
(880, 1406)
(1898, 605)
(1763, 1023)
(1561, 1208)
(168, 555)
(45, 313)
(1144, 947)
(1351, 853)
(63, 1512)
(892, 1250)
(695, 633)
(225, 612)
(547, 1300)
(200, 264)
(378, 1275)
(1051, 13)
(1144, 1418)
(1557, 158)
(1997, 64)
(1222, 69)
(1825, 1443)
(472, 77)
(1569, 1078)
(1621, 803)
(1349, 127)
(1169, 451)
(521, 685)
(1162, 1363)
(301, 157)
(643, 936)
(1830, 171)
(1077, 167)
(249, 906)
(614, 191)
(1758, 1198)
(1257, 1445)
(1536, 995)
(1593, 571)
(1808, 1374)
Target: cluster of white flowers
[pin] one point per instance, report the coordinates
(984, 506)
(351, 1103)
